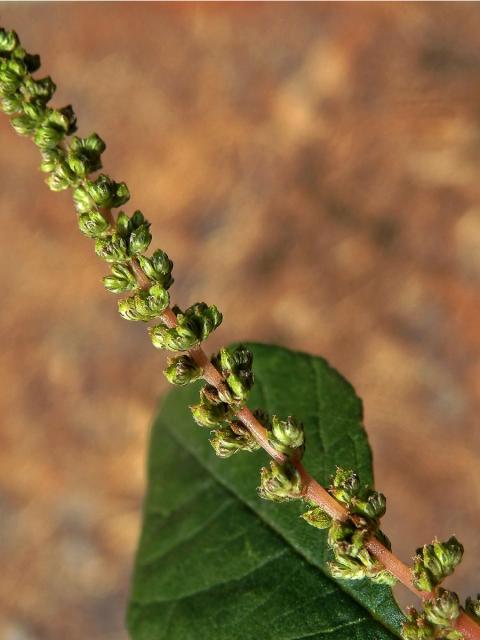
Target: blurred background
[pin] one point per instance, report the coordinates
(313, 169)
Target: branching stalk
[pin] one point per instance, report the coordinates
(352, 516)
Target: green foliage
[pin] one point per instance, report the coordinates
(216, 562)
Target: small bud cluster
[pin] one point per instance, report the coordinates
(365, 507)
(280, 482)
(437, 622)
(353, 561)
(434, 562)
(70, 163)
(122, 242)
(472, 606)
(287, 437)
(217, 407)
(193, 327)
(236, 368)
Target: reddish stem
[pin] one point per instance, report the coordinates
(314, 491)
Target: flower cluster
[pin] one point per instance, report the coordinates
(347, 539)
(437, 622)
(432, 564)
(218, 407)
(122, 242)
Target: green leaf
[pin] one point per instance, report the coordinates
(215, 562)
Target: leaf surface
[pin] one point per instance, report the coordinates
(215, 562)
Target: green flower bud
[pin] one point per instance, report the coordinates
(373, 506)
(236, 367)
(227, 442)
(340, 531)
(236, 359)
(112, 248)
(94, 225)
(318, 518)
(383, 577)
(81, 198)
(422, 578)
(443, 610)
(353, 560)
(31, 61)
(39, 91)
(210, 412)
(140, 239)
(194, 326)
(123, 224)
(158, 268)
(122, 279)
(472, 606)
(280, 482)
(23, 125)
(436, 561)
(176, 339)
(84, 154)
(8, 40)
(449, 554)
(107, 193)
(47, 136)
(12, 73)
(51, 158)
(11, 104)
(417, 627)
(145, 305)
(346, 568)
(182, 370)
(248, 441)
(62, 178)
(287, 436)
(35, 111)
(345, 485)
(56, 125)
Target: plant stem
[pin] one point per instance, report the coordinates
(317, 494)
(312, 489)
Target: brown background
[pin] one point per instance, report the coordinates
(314, 170)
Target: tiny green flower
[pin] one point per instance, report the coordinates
(443, 610)
(417, 627)
(140, 239)
(112, 248)
(107, 193)
(182, 370)
(373, 505)
(93, 225)
(145, 305)
(436, 561)
(194, 326)
(211, 412)
(280, 482)
(84, 155)
(121, 279)
(287, 436)
(158, 268)
(345, 485)
(318, 518)
(8, 40)
(226, 441)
